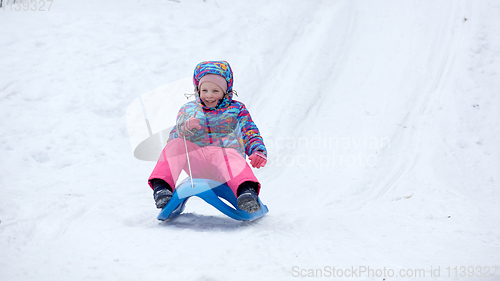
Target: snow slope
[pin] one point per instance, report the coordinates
(381, 119)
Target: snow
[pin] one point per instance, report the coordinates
(381, 118)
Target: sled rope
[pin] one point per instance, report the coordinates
(187, 153)
(189, 164)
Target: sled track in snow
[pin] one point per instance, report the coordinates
(408, 136)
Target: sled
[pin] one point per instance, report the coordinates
(211, 192)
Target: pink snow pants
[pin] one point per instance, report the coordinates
(225, 165)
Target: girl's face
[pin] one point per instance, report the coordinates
(210, 94)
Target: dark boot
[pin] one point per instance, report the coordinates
(162, 192)
(247, 197)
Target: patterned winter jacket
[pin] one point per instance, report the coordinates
(228, 125)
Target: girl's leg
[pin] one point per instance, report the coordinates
(173, 160)
(230, 167)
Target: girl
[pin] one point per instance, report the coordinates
(218, 133)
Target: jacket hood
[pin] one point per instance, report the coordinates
(221, 68)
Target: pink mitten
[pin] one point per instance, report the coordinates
(258, 159)
(190, 126)
(193, 123)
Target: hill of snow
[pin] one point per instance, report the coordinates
(382, 121)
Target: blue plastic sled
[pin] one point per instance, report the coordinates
(210, 191)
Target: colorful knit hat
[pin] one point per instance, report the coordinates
(220, 68)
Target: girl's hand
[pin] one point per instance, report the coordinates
(258, 159)
(190, 126)
(193, 123)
